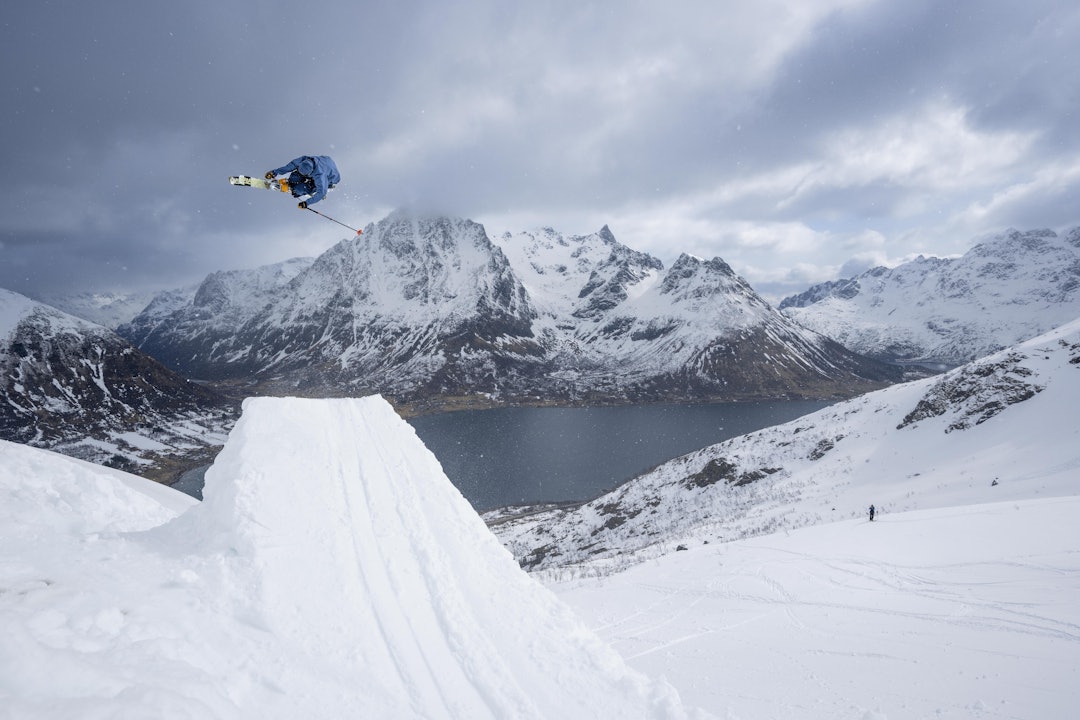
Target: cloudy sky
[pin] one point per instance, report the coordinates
(800, 140)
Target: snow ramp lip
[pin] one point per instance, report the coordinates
(342, 537)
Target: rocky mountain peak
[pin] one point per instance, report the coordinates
(692, 278)
(71, 384)
(1073, 237)
(1005, 289)
(607, 236)
(611, 279)
(241, 289)
(422, 307)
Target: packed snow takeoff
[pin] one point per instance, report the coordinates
(331, 571)
(412, 601)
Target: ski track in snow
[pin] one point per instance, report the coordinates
(969, 612)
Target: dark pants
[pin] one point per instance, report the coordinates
(301, 185)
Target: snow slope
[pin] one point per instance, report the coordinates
(331, 571)
(959, 613)
(1001, 428)
(14, 309)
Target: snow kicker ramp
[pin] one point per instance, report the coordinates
(341, 540)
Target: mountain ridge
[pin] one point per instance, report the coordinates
(430, 307)
(1005, 289)
(76, 387)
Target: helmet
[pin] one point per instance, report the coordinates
(307, 167)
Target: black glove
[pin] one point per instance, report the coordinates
(302, 205)
(269, 175)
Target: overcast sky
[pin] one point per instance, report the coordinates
(800, 140)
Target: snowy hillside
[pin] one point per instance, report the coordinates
(331, 572)
(1001, 428)
(1005, 290)
(958, 613)
(77, 387)
(423, 308)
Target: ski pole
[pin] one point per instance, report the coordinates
(358, 232)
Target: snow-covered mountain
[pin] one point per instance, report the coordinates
(420, 308)
(1000, 428)
(579, 276)
(71, 385)
(109, 309)
(1006, 289)
(208, 313)
(160, 306)
(410, 302)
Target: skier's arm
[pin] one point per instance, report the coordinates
(284, 170)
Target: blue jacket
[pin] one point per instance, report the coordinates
(311, 175)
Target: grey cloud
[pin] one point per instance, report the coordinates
(121, 124)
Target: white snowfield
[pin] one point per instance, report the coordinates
(332, 571)
(962, 613)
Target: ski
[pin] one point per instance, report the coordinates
(280, 184)
(283, 185)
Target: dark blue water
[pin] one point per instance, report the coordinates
(521, 456)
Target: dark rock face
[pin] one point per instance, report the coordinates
(977, 393)
(845, 289)
(71, 385)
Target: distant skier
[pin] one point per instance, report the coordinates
(871, 513)
(309, 175)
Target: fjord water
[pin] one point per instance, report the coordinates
(523, 455)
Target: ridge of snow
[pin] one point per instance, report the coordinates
(14, 308)
(331, 571)
(110, 309)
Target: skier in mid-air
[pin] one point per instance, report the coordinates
(309, 175)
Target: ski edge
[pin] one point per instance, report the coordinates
(248, 181)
